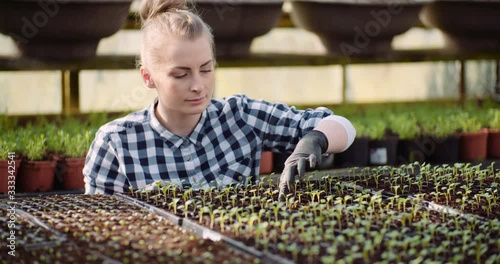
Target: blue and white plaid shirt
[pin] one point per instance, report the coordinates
(224, 148)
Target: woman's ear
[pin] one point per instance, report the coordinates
(146, 77)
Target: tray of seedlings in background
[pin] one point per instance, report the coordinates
(35, 242)
(327, 221)
(459, 188)
(126, 233)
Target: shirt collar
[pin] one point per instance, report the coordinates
(173, 140)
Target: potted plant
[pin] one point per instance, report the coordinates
(357, 154)
(236, 23)
(56, 30)
(467, 25)
(382, 147)
(494, 134)
(440, 141)
(9, 161)
(351, 28)
(406, 126)
(71, 166)
(37, 171)
(473, 138)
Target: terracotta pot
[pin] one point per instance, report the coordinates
(71, 175)
(383, 151)
(6, 171)
(236, 23)
(466, 24)
(356, 155)
(493, 144)
(36, 176)
(473, 146)
(266, 162)
(69, 29)
(441, 150)
(351, 28)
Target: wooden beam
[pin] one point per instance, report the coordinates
(251, 60)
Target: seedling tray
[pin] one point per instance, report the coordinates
(204, 232)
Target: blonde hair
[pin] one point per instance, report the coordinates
(168, 18)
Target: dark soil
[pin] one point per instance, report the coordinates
(123, 232)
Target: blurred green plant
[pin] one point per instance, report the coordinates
(405, 125)
(375, 128)
(76, 146)
(494, 119)
(35, 148)
(468, 122)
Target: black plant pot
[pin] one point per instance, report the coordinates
(236, 23)
(442, 150)
(58, 30)
(410, 150)
(355, 156)
(383, 151)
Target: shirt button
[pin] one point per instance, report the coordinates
(240, 177)
(195, 180)
(188, 158)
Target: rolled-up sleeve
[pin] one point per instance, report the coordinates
(101, 171)
(279, 126)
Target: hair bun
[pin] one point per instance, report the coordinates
(152, 8)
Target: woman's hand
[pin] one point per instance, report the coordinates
(310, 148)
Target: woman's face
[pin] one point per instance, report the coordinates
(184, 78)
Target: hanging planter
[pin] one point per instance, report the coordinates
(351, 28)
(467, 25)
(236, 23)
(55, 30)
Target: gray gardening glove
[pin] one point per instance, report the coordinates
(310, 147)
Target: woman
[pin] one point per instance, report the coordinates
(190, 139)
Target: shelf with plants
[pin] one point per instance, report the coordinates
(49, 155)
(124, 233)
(424, 132)
(327, 221)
